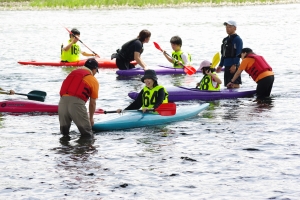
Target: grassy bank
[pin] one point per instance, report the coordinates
(128, 3)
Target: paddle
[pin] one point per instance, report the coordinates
(35, 95)
(215, 60)
(190, 70)
(165, 109)
(81, 41)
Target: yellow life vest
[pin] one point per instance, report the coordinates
(72, 55)
(177, 55)
(150, 96)
(206, 83)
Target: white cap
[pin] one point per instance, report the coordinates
(230, 22)
(205, 63)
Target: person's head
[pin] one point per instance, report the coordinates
(176, 43)
(245, 52)
(230, 27)
(92, 64)
(149, 78)
(205, 65)
(75, 31)
(144, 36)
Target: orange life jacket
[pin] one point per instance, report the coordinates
(74, 85)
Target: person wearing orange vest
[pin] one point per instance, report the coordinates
(79, 86)
(259, 70)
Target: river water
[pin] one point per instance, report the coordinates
(237, 149)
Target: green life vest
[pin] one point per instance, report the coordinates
(150, 96)
(177, 55)
(206, 84)
(72, 55)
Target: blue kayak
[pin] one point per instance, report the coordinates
(135, 119)
(185, 94)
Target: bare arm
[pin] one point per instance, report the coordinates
(139, 61)
(236, 75)
(215, 78)
(92, 108)
(168, 57)
(90, 54)
(74, 40)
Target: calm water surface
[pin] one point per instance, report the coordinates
(237, 149)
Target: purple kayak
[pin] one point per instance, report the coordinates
(160, 70)
(185, 94)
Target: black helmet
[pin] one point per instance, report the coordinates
(91, 63)
(75, 31)
(149, 73)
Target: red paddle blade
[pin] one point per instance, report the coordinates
(99, 111)
(166, 109)
(157, 46)
(190, 70)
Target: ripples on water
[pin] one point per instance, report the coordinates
(237, 149)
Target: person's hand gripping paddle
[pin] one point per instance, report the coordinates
(190, 70)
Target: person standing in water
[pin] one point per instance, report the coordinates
(231, 47)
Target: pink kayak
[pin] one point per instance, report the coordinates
(24, 106)
(103, 63)
(28, 106)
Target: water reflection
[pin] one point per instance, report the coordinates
(158, 140)
(68, 70)
(80, 147)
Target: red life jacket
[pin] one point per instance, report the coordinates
(75, 86)
(259, 66)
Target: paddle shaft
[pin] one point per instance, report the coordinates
(114, 111)
(165, 109)
(80, 41)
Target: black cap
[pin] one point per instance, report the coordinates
(149, 73)
(91, 63)
(245, 50)
(75, 31)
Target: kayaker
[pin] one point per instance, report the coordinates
(10, 91)
(259, 70)
(151, 96)
(182, 57)
(230, 48)
(132, 50)
(70, 51)
(79, 86)
(210, 80)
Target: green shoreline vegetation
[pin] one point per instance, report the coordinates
(97, 4)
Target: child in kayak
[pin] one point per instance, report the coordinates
(210, 80)
(70, 52)
(151, 96)
(183, 58)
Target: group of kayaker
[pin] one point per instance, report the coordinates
(80, 85)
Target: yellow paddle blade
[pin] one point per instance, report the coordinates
(215, 60)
